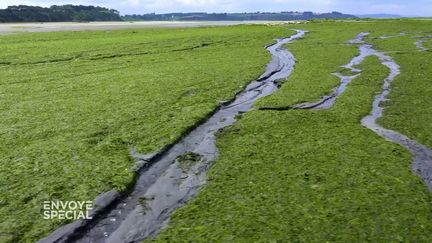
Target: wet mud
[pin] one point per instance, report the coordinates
(168, 179)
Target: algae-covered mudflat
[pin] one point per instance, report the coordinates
(74, 105)
(77, 26)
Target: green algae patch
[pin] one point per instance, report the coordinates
(74, 104)
(310, 176)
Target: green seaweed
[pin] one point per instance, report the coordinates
(74, 104)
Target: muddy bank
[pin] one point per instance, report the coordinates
(167, 180)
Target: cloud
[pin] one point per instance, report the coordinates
(134, 3)
(197, 2)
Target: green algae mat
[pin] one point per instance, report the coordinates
(73, 105)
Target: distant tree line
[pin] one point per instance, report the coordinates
(64, 13)
(282, 16)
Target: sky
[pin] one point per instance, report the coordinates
(402, 7)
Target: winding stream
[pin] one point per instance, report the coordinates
(420, 46)
(420, 43)
(176, 175)
(422, 164)
(422, 155)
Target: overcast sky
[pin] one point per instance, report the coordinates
(403, 7)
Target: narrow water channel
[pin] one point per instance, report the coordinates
(177, 175)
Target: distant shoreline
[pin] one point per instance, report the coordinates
(10, 28)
